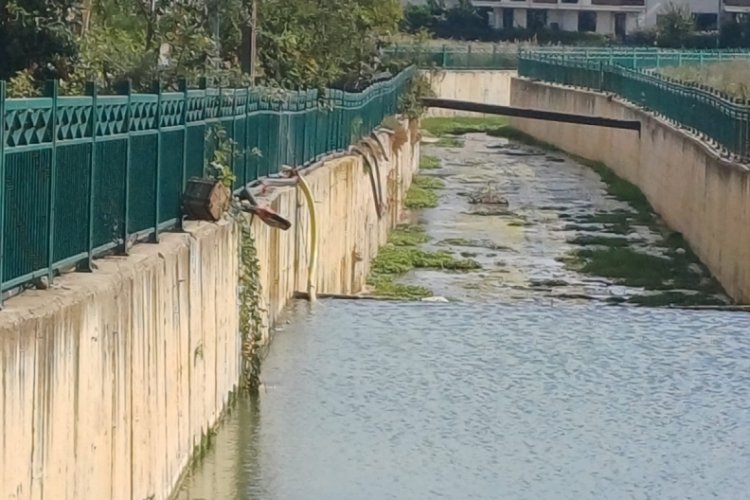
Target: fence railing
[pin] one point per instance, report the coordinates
(635, 58)
(506, 56)
(713, 115)
(80, 176)
(495, 57)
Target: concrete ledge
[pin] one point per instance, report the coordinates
(698, 193)
(109, 380)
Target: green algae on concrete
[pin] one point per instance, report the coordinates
(401, 255)
(599, 240)
(428, 162)
(447, 128)
(460, 125)
(422, 193)
(669, 267)
(408, 235)
(449, 142)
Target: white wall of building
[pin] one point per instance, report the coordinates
(519, 18)
(605, 23)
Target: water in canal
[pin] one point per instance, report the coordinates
(511, 390)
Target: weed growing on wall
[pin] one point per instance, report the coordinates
(251, 311)
(411, 103)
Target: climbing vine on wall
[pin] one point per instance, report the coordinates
(251, 311)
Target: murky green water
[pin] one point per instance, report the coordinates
(513, 392)
(383, 400)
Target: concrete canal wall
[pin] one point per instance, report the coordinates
(699, 194)
(485, 86)
(109, 380)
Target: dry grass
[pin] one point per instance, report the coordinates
(732, 78)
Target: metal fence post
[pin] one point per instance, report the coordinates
(2, 187)
(183, 119)
(92, 91)
(445, 56)
(52, 91)
(157, 173)
(127, 89)
(234, 140)
(247, 152)
(203, 85)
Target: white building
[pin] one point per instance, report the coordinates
(597, 16)
(609, 17)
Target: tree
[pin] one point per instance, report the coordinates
(308, 43)
(38, 36)
(674, 26)
(302, 43)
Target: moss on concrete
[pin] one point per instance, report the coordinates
(460, 125)
(599, 240)
(401, 255)
(422, 193)
(675, 299)
(408, 235)
(427, 162)
(449, 142)
(427, 182)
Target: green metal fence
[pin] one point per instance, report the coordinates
(80, 176)
(634, 58)
(707, 112)
(506, 56)
(467, 57)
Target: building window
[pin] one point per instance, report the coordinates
(536, 19)
(569, 1)
(621, 24)
(705, 22)
(508, 21)
(586, 21)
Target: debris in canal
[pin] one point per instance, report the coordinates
(487, 195)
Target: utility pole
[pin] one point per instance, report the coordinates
(718, 25)
(254, 42)
(249, 46)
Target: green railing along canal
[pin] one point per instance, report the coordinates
(461, 57)
(81, 176)
(715, 116)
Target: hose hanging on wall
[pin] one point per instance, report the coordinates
(376, 138)
(374, 174)
(312, 263)
(368, 142)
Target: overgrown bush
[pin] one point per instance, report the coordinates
(674, 26)
(302, 43)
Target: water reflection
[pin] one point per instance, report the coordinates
(386, 400)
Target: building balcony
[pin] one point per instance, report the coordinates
(736, 5)
(593, 5)
(620, 3)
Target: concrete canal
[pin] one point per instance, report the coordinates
(546, 372)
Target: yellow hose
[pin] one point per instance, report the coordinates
(313, 261)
